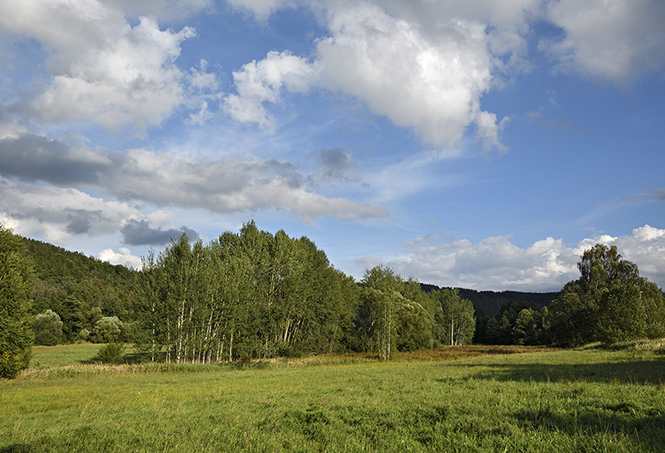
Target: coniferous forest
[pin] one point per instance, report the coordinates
(254, 294)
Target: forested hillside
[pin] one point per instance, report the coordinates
(80, 289)
(490, 302)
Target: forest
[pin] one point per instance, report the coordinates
(254, 294)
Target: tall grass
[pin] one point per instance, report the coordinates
(586, 400)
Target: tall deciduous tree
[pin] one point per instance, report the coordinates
(16, 322)
(455, 317)
(251, 294)
(609, 302)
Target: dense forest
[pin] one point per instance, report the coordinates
(254, 294)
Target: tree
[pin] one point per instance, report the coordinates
(382, 308)
(107, 330)
(528, 327)
(48, 328)
(16, 322)
(609, 302)
(455, 317)
(251, 294)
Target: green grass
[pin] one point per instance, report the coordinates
(582, 400)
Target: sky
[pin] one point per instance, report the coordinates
(482, 144)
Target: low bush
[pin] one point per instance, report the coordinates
(111, 353)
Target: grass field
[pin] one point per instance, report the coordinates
(488, 400)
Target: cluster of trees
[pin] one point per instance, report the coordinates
(248, 294)
(255, 294)
(610, 302)
(397, 315)
(520, 323)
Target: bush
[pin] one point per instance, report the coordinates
(48, 328)
(83, 335)
(12, 364)
(111, 353)
(107, 330)
(46, 338)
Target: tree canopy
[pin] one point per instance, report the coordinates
(16, 334)
(610, 302)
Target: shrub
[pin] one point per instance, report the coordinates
(83, 335)
(107, 330)
(46, 338)
(111, 353)
(48, 328)
(12, 364)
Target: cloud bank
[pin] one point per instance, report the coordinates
(497, 264)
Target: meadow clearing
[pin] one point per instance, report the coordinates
(450, 399)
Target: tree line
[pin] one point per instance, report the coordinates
(254, 294)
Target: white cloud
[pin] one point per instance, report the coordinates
(101, 68)
(262, 9)
(167, 10)
(497, 264)
(615, 40)
(263, 81)
(432, 86)
(426, 78)
(123, 257)
(59, 213)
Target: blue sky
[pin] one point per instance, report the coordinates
(481, 144)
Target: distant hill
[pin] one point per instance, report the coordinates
(490, 301)
(79, 288)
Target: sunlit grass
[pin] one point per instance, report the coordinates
(586, 400)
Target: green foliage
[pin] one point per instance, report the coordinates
(48, 328)
(455, 317)
(112, 353)
(249, 294)
(16, 322)
(108, 329)
(80, 289)
(610, 302)
(414, 326)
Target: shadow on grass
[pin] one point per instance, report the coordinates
(631, 371)
(645, 425)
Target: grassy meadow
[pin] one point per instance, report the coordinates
(451, 399)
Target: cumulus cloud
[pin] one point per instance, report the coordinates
(263, 81)
(497, 264)
(425, 77)
(101, 68)
(432, 87)
(123, 257)
(58, 213)
(166, 10)
(37, 158)
(615, 40)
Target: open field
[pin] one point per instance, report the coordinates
(582, 400)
